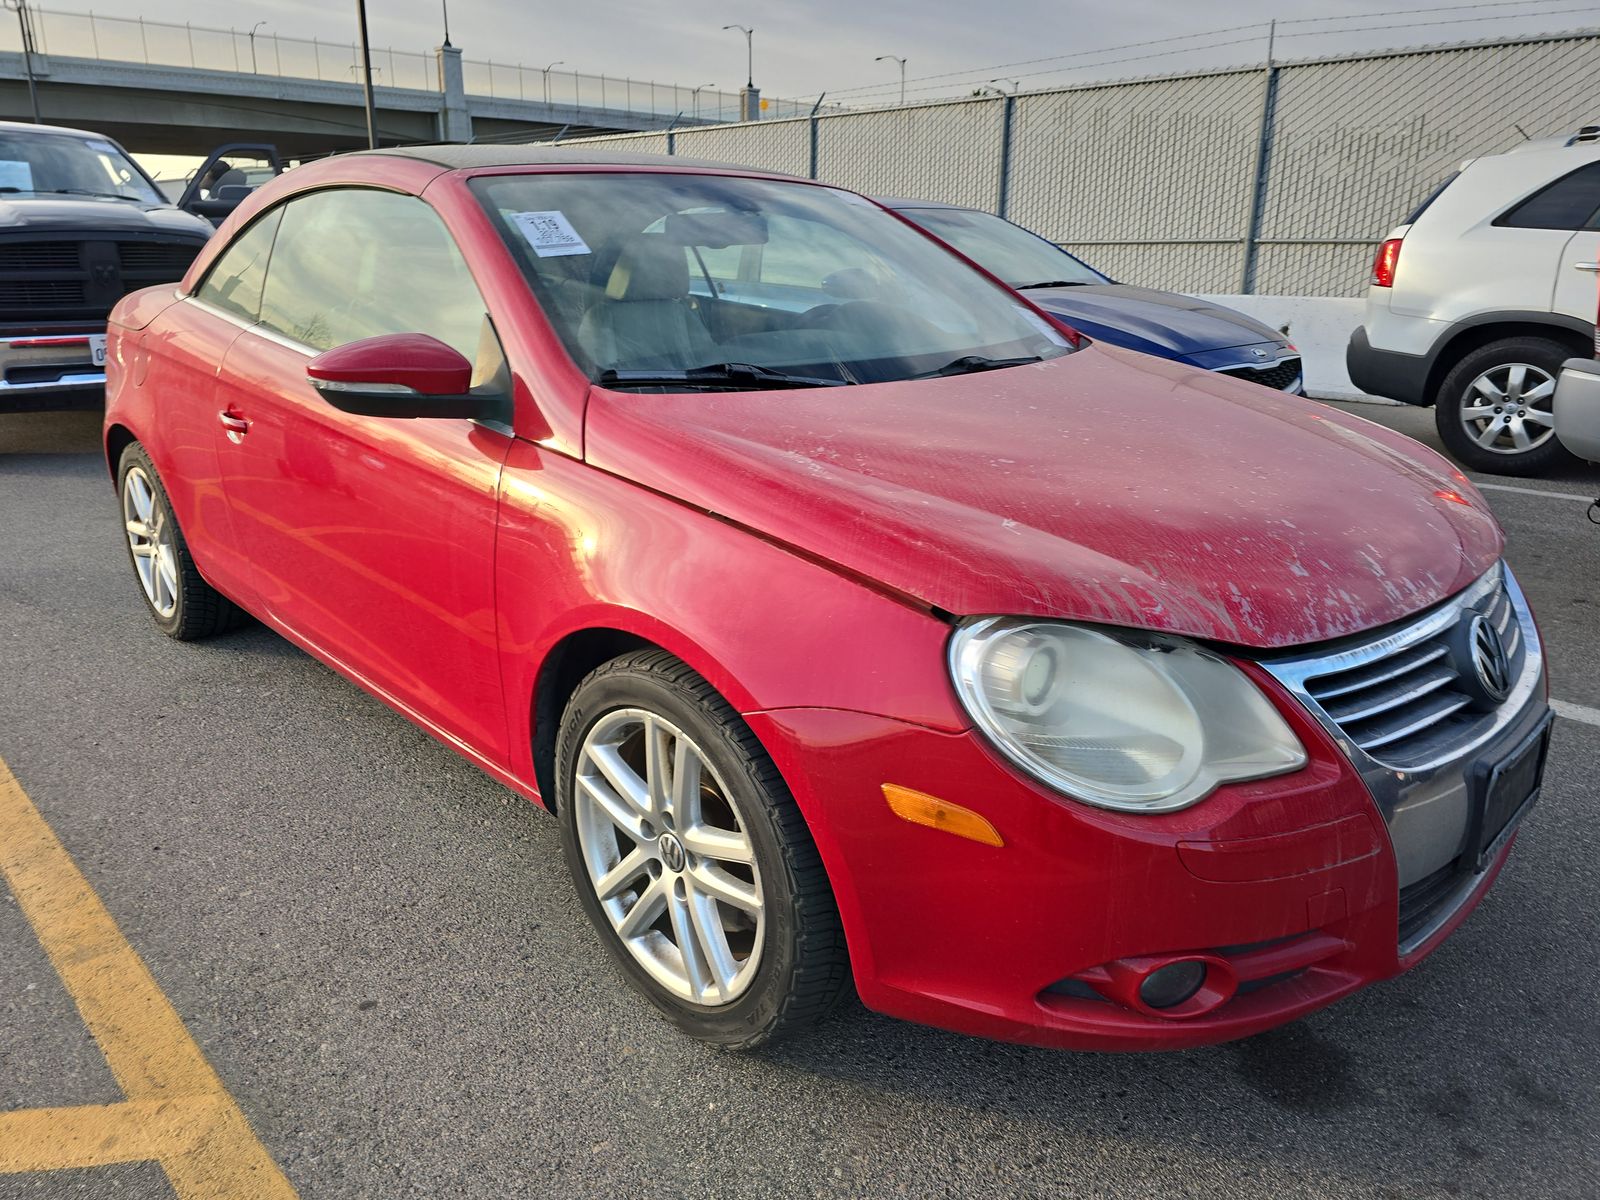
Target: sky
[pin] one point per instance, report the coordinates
(804, 48)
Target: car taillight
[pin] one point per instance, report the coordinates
(1383, 266)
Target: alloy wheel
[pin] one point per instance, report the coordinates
(155, 555)
(1509, 408)
(669, 857)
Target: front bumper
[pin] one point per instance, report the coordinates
(1292, 884)
(1577, 407)
(51, 368)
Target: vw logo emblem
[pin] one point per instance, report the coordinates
(672, 855)
(1489, 659)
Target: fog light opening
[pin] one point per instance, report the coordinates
(1172, 985)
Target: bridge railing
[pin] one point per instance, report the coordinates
(262, 51)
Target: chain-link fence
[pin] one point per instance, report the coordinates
(1278, 179)
(261, 51)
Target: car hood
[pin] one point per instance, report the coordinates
(1103, 486)
(70, 213)
(1163, 323)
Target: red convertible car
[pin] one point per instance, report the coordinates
(856, 620)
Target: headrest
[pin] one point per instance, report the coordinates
(649, 268)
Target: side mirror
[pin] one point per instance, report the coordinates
(398, 375)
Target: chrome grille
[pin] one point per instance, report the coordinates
(1279, 375)
(1408, 706)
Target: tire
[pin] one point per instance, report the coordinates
(1482, 415)
(754, 975)
(182, 604)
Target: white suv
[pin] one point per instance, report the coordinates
(1482, 294)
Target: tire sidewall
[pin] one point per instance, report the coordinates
(136, 456)
(1541, 352)
(759, 1007)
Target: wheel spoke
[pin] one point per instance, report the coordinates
(1516, 378)
(686, 776)
(713, 943)
(1488, 390)
(657, 767)
(617, 810)
(1519, 434)
(627, 785)
(687, 938)
(613, 882)
(726, 845)
(147, 550)
(138, 529)
(168, 571)
(1489, 435)
(1542, 392)
(645, 911)
(1477, 412)
(1542, 417)
(717, 884)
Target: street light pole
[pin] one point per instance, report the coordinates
(253, 29)
(749, 53)
(26, 25)
(695, 96)
(902, 62)
(558, 62)
(444, 7)
(366, 76)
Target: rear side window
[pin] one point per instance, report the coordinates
(354, 263)
(1571, 202)
(234, 282)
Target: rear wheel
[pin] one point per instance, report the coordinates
(183, 605)
(1494, 410)
(691, 858)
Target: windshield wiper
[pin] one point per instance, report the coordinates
(968, 363)
(752, 376)
(81, 192)
(1044, 283)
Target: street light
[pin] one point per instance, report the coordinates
(695, 96)
(366, 76)
(546, 73)
(253, 29)
(749, 53)
(902, 62)
(25, 21)
(1016, 84)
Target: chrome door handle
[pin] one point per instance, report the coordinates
(1594, 266)
(235, 426)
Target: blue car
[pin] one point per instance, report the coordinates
(1164, 324)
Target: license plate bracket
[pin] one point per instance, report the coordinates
(1503, 791)
(97, 349)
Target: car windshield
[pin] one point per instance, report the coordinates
(1008, 251)
(54, 164)
(670, 282)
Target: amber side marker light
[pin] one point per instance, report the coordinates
(922, 809)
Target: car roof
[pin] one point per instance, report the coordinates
(63, 130)
(459, 158)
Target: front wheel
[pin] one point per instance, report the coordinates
(691, 858)
(1494, 410)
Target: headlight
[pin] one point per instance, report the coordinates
(1142, 728)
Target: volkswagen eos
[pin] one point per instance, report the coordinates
(885, 632)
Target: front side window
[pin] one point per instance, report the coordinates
(1571, 202)
(644, 275)
(353, 263)
(1005, 250)
(60, 165)
(234, 281)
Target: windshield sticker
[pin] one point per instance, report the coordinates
(549, 233)
(103, 147)
(1043, 326)
(16, 176)
(853, 198)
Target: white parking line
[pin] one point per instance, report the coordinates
(1502, 487)
(1576, 712)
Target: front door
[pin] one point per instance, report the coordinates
(371, 539)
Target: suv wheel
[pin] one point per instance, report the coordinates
(1494, 408)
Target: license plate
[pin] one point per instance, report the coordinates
(1508, 787)
(97, 348)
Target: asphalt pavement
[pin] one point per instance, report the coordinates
(379, 952)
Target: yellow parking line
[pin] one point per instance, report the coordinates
(177, 1113)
